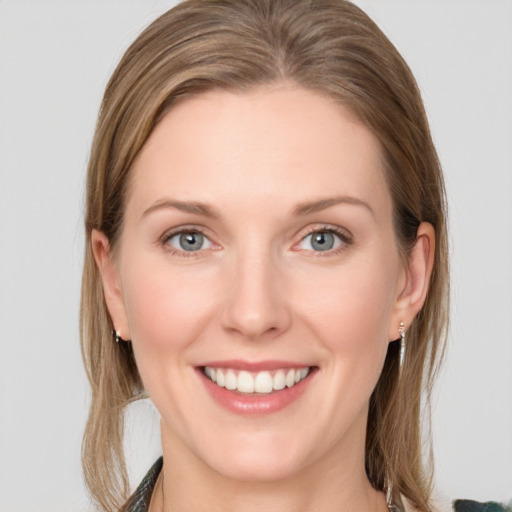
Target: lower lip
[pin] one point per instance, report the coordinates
(256, 405)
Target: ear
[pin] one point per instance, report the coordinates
(111, 282)
(411, 296)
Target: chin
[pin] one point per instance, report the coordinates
(266, 457)
(256, 467)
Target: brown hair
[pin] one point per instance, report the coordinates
(329, 46)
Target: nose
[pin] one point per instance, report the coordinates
(255, 306)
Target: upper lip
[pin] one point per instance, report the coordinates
(254, 366)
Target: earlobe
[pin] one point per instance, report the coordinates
(111, 283)
(418, 271)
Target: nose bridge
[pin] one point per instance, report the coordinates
(255, 304)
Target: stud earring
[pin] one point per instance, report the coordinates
(117, 336)
(401, 331)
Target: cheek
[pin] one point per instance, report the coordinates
(166, 307)
(349, 310)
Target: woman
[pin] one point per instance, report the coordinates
(266, 258)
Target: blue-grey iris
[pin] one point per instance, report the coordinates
(322, 241)
(191, 241)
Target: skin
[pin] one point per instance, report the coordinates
(257, 290)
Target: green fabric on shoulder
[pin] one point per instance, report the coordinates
(476, 506)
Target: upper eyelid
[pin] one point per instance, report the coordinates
(337, 230)
(184, 229)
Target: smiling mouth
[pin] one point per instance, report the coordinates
(256, 383)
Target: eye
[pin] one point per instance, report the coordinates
(189, 241)
(323, 240)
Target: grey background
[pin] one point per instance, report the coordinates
(55, 59)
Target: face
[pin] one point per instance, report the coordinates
(258, 250)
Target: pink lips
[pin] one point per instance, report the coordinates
(254, 404)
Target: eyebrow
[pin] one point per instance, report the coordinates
(302, 209)
(193, 207)
(321, 204)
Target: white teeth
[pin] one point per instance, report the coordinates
(279, 382)
(290, 378)
(260, 382)
(263, 383)
(231, 380)
(221, 380)
(245, 382)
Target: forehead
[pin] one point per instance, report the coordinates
(279, 143)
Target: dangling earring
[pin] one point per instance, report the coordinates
(401, 331)
(117, 336)
(392, 506)
(389, 495)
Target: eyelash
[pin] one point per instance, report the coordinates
(344, 236)
(164, 241)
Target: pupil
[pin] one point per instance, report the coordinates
(191, 241)
(323, 241)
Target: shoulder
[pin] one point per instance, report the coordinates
(139, 501)
(466, 506)
(476, 506)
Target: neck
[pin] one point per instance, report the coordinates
(332, 484)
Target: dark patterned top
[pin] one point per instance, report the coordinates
(140, 499)
(475, 506)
